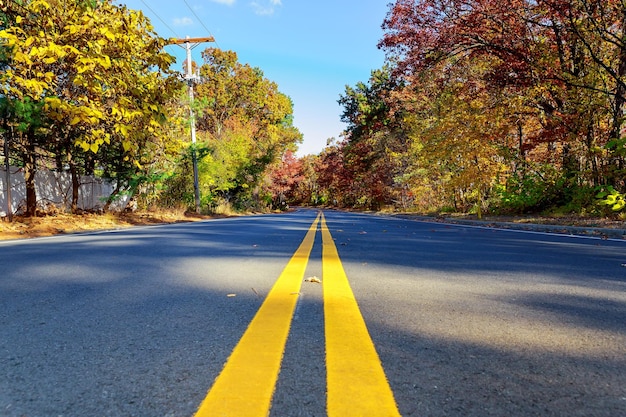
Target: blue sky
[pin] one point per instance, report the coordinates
(311, 49)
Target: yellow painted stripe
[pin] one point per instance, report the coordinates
(357, 385)
(246, 384)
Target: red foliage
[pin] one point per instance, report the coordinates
(423, 32)
(284, 179)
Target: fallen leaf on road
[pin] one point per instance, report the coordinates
(231, 295)
(313, 279)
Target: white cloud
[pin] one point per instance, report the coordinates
(183, 21)
(265, 8)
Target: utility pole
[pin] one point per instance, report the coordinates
(191, 43)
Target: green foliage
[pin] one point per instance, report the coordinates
(246, 125)
(220, 167)
(612, 198)
(23, 114)
(528, 192)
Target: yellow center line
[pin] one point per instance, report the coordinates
(357, 385)
(245, 386)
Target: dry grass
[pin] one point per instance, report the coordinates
(48, 225)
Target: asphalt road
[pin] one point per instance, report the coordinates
(467, 321)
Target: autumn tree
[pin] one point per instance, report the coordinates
(559, 61)
(333, 179)
(99, 74)
(246, 124)
(460, 130)
(283, 179)
(600, 29)
(307, 190)
(375, 140)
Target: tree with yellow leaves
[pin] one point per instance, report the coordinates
(459, 127)
(97, 74)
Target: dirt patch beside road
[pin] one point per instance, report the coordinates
(49, 225)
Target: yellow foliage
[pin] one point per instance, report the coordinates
(38, 6)
(122, 130)
(106, 52)
(105, 62)
(84, 145)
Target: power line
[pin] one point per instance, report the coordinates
(202, 23)
(159, 17)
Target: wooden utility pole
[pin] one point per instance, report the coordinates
(191, 43)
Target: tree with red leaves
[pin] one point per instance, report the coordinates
(564, 60)
(282, 180)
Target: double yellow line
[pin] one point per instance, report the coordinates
(356, 382)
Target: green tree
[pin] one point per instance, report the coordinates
(245, 122)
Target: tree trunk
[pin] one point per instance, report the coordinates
(520, 139)
(620, 91)
(112, 197)
(75, 187)
(75, 183)
(618, 109)
(30, 169)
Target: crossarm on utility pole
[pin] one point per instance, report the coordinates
(192, 40)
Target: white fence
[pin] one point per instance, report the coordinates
(53, 188)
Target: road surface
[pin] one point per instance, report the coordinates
(305, 315)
